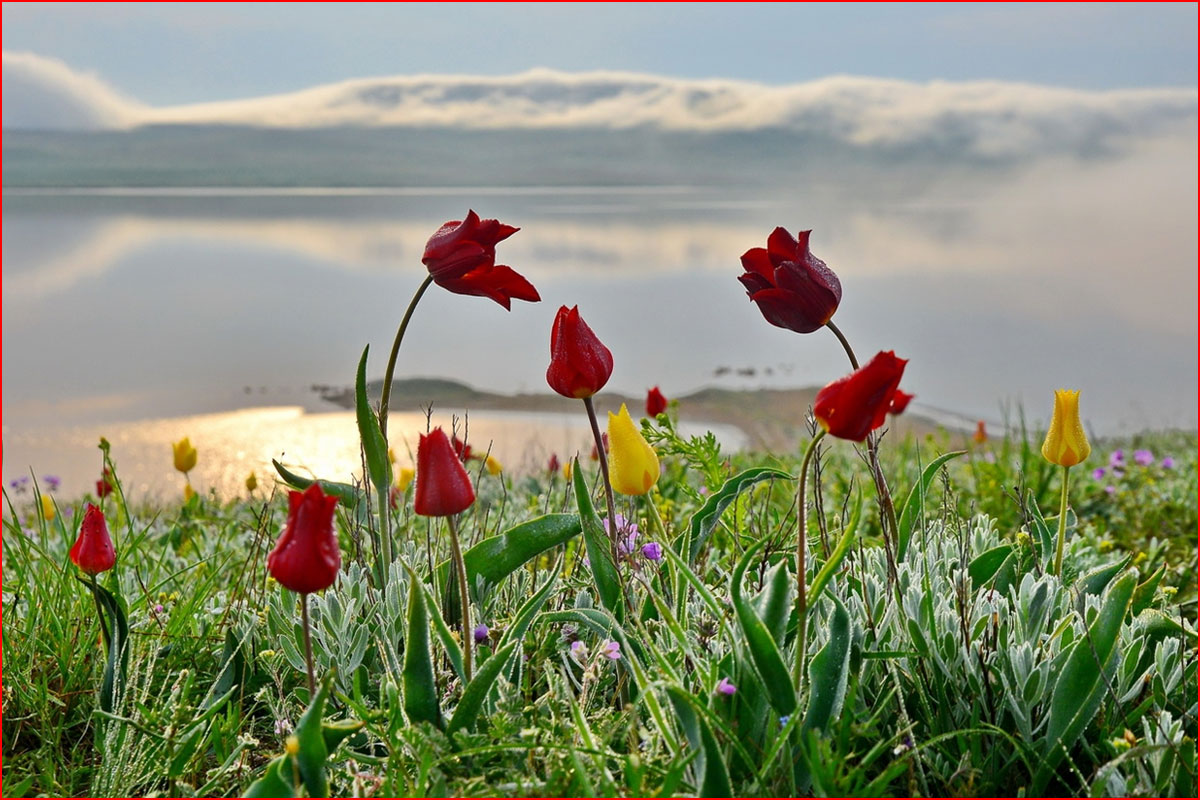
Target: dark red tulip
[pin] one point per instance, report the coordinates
(580, 364)
(655, 403)
(307, 558)
(93, 551)
(595, 453)
(461, 257)
(461, 449)
(853, 406)
(553, 466)
(900, 401)
(103, 486)
(443, 486)
(792, 287)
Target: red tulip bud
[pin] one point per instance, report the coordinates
(103, 486)
(655, 403)
(306, 558)
(443, 486)
(93, 551)
(580, 364)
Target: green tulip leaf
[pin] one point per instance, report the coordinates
(420, 689)
(342, 491)
(313, 753)
(911, 513)
(374, 445)
(713, 774)
(1098, 579)
(1081, 684)
(496, 558)
(476, 693)
(763, 649)
(599, 548)
(828, 672)
(838, 554)
(276, 780)
(985, 565)
(709, 514)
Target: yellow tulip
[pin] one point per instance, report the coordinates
(633, 464)
(493, 466)
(566, 470)
(188, 493)
(391, 456)
(1066, 444)
(251, 482)
(404, 478)
(48, 508)
(185, 455)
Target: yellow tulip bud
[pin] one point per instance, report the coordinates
(188, 493)
(1066, 444)
(48, 508)
(493, 466)
(633, 464)
(291, 745)
(567, 470)
(251, 482)
(185, 455)
(391, 456)
(404, 478)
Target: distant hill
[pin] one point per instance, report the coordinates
(772, 419)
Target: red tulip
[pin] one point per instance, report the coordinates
(553, 466)
(853, 406)
(981, 434)
(307, 558)
(792, 287)
(655, 403)
(93, 551)
(900, 401)
(580, 364)
(443, 486)
(461, 449)
(103, 487)
(461, 257)
(595, 453)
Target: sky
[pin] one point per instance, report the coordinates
(160, 53)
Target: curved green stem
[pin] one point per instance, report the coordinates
(881, 487)
(801, 567)
(845, 344)
(312, 686)
(391, 364)
(468, 635)
(1062, 522)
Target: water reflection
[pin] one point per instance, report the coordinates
(132, 305)
(232, 445)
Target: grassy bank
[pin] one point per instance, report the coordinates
(956, 665)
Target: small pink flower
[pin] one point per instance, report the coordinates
(726, 687)
(612, 651)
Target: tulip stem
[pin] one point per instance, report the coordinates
(312, 686)
(881, 487)
(460, 568)
(608, 491)
(845, 344)
(391, 365)
(801, 567)
(1062, 522)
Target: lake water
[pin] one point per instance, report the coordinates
(1000, 284)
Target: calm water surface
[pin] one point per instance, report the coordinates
(121, 306)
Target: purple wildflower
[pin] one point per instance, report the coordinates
(612, 651)
(652, 551)
(1168, 463)
(1144, 458)
(51, 482)
(579, 651)
(1098, 473)
(19, 484)
(726, 687)
(1110, 489)
(627, 533)
(1116, 458)
(481, 633)
(784, 720)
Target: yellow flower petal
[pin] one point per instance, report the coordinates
(48, 508)
(1066, 444)
(633, 464)
(404, 478)
(185, 455)
(493, 466)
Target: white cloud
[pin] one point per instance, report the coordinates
(982, 118)
(45, 94)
